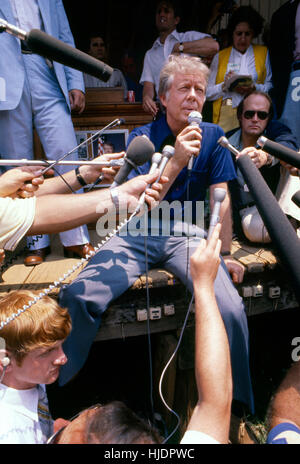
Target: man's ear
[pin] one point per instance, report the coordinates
(163, 99)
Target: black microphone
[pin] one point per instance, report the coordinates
(296, 198)
(194, 119)
(138, 153)
(49, 47)
(280, 151)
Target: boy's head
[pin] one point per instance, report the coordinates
(33, 341)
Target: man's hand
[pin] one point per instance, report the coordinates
(235, 269)
(259, 157)
(188, 143)
(205, 261)
(91, 172)
(150, 106)
(21, 182)
(77, 100)
(293, 171)
(130, 192)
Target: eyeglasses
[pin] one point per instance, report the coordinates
(260, 114)
(55, 437)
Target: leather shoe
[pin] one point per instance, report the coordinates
(35, 257)
(78, 251)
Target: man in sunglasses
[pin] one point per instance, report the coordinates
(255, 115)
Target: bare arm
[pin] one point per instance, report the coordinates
(57, 213)
(202, 47)
(235, 268)
(212, 357)
(285, 407)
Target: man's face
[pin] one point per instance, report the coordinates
(40, 366)
(255, 125)
(165, 18)
(186, 94)
(242, 37)
(97, 48)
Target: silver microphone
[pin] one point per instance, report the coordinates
(194, 119)
(224, 142)
(167, 153)
(219, 195)
(155, 161)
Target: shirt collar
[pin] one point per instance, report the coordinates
(174, 34)
(23, 401)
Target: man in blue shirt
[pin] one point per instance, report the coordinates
(122, 260)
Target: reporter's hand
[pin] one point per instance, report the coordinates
(259, 157)
(292, 169)
(21, 182)
(91, 173)
(205, 261)
(130, 192)
(188, 143)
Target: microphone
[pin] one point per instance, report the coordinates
(219, 195)
(49, 47)
(167, 153)
(138, 153)
(280, 151)
(283, 236)
(194, 119)
(156, 159)
(296, 198)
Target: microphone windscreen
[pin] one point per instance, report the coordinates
(280, 151)
(49, 47)
(139, 151)
(283, 236)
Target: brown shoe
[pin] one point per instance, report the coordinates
(78, 251)
(35, 257)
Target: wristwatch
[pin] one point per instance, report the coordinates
(181, 47)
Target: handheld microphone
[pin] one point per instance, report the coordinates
(156, 159)
(194, 119)
(138, 153)
(280, 151)
(167, 153)
(219, 196)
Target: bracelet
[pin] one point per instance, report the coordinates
(80, 178)
(114, 193)
(225, 253)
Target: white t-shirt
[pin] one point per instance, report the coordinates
(19, 422)
(16, 217)
(156, 57)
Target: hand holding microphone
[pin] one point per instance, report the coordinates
(194, 119)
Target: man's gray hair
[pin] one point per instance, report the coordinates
(183, 64)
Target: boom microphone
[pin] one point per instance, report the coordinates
(45, 45)
(280, 151)
(194, 119)
(282, 234)
(138, 153)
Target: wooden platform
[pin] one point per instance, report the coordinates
(120, 320)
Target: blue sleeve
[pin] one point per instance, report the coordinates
(280, 133)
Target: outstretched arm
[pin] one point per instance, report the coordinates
(212, 358)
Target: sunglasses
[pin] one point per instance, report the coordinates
(260, 114)
(53, 440)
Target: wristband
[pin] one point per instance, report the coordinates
(114, 193)
(225, 253)
(80, 178)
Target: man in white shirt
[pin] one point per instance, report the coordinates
(32, 358)
(170, 41)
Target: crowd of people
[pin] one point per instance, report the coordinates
(44, 340)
